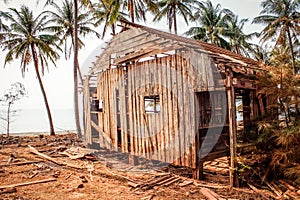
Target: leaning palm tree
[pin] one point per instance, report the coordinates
(213, 24)
(170, 9)
(281, 20)
(27, 40)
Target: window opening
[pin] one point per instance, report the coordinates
(152, 104)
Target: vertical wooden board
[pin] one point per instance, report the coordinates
(130, 103)
(187, 110)
(202, 70)
(126, 123)
(193, 68)
(100, 114)
(232, 126)
(180, 138)
(135, 108)
(146, 118)
(161, 140)
(166, 109)
(124, 110)
(113, 113)
(210, 72)
(193, 142)
(87, 110)
(105, 109)
(169, 134)
(192, 120)
(138, 115)
(156, 79)
(121, 124)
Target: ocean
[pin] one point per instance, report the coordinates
(36, 120)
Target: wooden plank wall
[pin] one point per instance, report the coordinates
(169, 135)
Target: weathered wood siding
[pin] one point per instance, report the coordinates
(170, 134)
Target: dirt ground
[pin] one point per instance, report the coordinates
(87, 176)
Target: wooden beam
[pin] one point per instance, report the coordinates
(232, 126)
(27, 183)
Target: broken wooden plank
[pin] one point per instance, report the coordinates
(210, 195)
(171, 182)
(292, 194)
(185, 183)
(33, 150)
(288, 186)
(271, 186)
(8, 190)
(261, 192)
(210, 185)
(28, 183)
(21, 163)
(133, 184)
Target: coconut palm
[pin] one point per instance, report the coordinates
(137, 9)
(238, 40)
(63, 20)
(28, 41)
(170, 9)
(108, 12)
(213, 24)
(281, 20)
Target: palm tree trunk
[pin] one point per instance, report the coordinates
(36, 66)
(76, 67)
(131, 10)
(175, 21)
(8, 119)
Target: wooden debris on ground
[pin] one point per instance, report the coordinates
(8, 190)
(44, 156)
(79, 152)
(209, 194)
(27, 183)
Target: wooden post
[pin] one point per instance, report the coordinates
(232, 126)
(133, 160)
(198, 172)
(87, 112)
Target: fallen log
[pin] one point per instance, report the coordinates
(27, 183)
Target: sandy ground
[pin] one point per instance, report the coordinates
(96, 179)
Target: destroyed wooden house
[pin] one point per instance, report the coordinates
(168, 98)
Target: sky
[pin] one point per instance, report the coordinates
(58, 81)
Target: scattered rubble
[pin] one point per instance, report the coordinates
(60, 167)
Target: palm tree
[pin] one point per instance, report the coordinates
(137, 9)
(170, 9)
(281, 20)
(27, 40)
(213, 24)
(237, 38)
(63, 20)
(108, 12)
